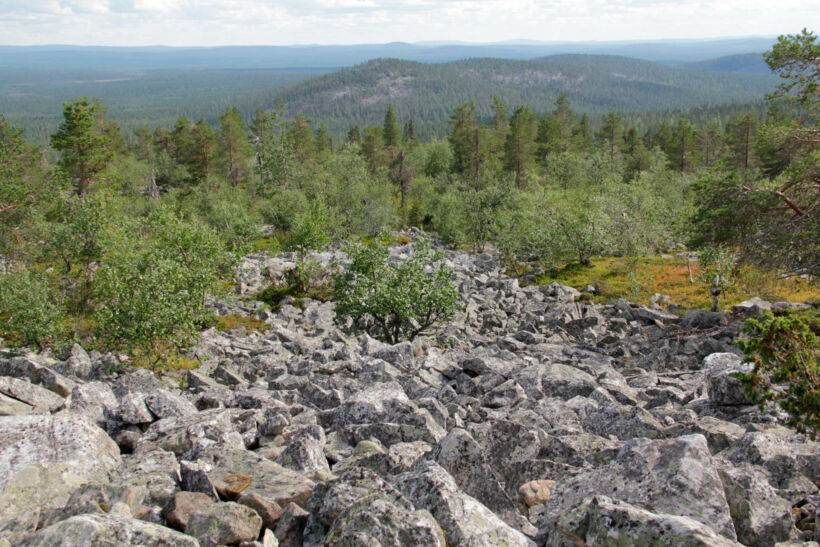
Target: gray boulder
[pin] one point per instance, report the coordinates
(600, 520)
(465, 521)
(675, 476)
(761, 517)
(107, 530)
(43, 460)
(223, 524)
(38, 398)
(721, 384)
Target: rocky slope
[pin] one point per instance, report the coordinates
(531, 419)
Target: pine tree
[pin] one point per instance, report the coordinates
(611, 133)
(740, 134)
(86, 151)
(390, 129)
(233, 144)
(519, 146)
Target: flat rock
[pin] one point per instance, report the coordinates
(108, 530)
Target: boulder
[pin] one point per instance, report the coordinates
(702, 320)
(43, 460)
(182, 506)
(465, 521)
(360, 508)
(108, 530)
(224, 523)
(28, 369)
(761, 517)
(601, 520)
(676, 476)
(721, 383)
(38, 398)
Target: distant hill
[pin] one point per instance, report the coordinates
(338, 56)
(595, 84)
(747, 63)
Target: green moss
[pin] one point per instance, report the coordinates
(232, 321)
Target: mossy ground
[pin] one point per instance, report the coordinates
(226, 323)
(670, 276)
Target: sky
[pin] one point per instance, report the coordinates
(287, 22)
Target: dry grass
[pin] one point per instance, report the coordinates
(670, 276)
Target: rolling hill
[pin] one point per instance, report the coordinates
(594, 84)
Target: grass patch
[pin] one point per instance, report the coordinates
(269, 244)
(670, 276)
(229, 322)
(274, 296)
(165, 358)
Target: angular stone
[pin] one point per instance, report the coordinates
(305, 453)
(184, 434)
(184, 504)
(676, 476)
(461, 456)
(601, 520)
(224, 523)
(761, 517)
(536, 492)
(96, 399)
(465, 521)
(132, 409)
(108, 530)
(39, 398)
(269, 480)
(157, 470)
(25, 368)
(164, 404)
(76, 363)
(721, 384)
(291, 526)
(270, 511)
(67, 439)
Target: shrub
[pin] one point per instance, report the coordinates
(394, 301)
(28, 316)
(786, 367)
(157, 294)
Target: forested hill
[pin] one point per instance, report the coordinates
(428, 93)
(750, 63)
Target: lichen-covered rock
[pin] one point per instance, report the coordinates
(291, 526)
(675, 476)
(67, 439)
(107, 530)
(761, 517)
(721, 384)
(182, 506)
(305, 453)
(600, 520)
(465, 521)
(164, 404)
(38, 398)
(28, 369)
(43, 459)
(792, 462)
(224, 523)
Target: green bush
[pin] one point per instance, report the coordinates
(394, 301)
(28, 315)
(786, 354)
(156, 293)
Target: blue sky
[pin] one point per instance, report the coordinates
(280, 22)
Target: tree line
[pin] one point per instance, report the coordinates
(121, 242)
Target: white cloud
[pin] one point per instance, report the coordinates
(213, 22)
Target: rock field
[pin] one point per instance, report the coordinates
(530, 419)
